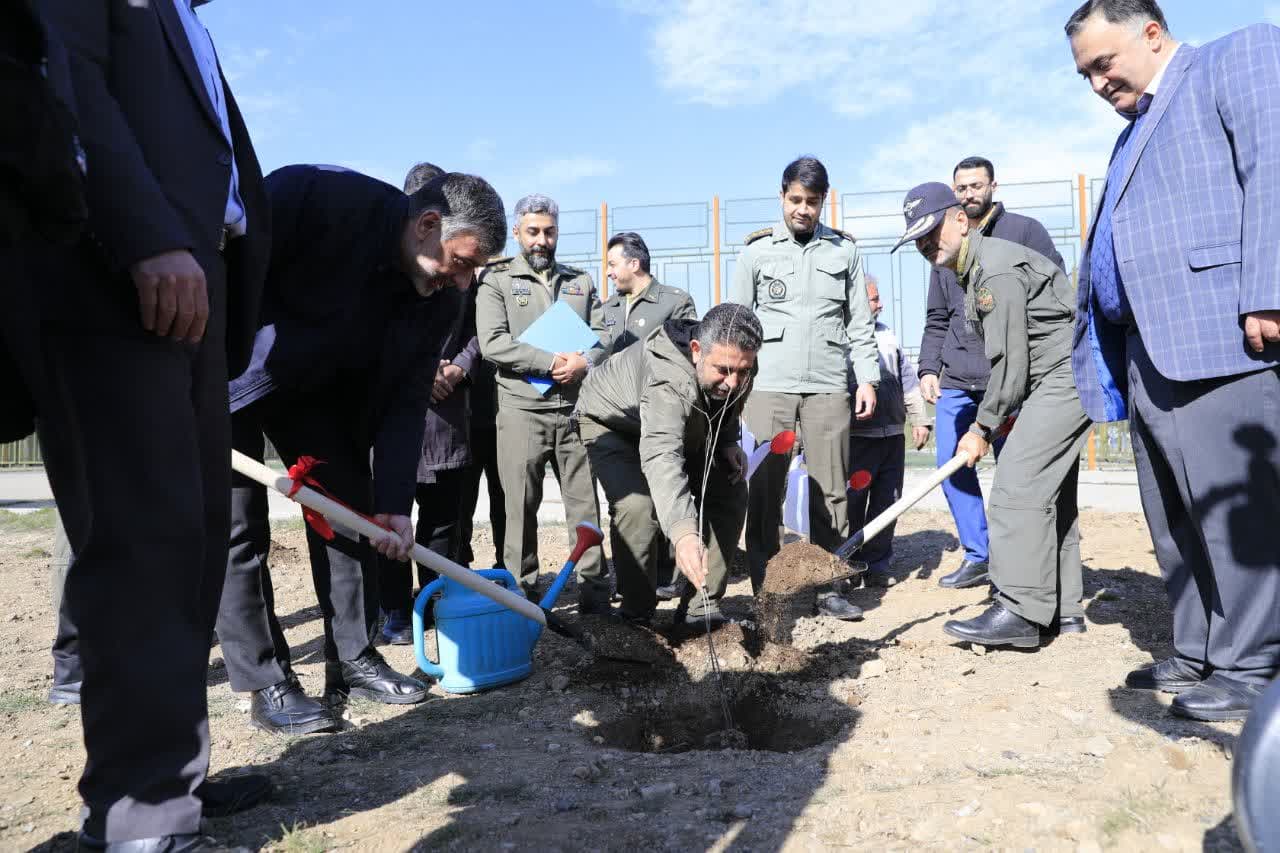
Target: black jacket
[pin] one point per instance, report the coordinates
(159, 164)
(446, 444)
(42, 198)
(949, 347)
(340, 319)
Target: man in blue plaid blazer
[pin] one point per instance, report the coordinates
(1177, 329)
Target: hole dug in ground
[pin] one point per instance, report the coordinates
(687, 717)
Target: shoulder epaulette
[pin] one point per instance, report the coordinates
(565, 268)
(756, 235)
(846, 235)
(494, 262)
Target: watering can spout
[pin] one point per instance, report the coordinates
(589, 536)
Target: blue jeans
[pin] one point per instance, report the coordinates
(956, 411)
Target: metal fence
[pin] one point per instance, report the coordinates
(695, 246)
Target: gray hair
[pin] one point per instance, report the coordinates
(420, 175)
(467, 205)
(536, 203)
(1136, 12)
(730, 324)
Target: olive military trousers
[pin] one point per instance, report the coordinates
(529, 440)
(1033, 515)
(635, 536)
(823, 423)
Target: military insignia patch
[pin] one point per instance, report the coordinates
(777, 290)
(571, 289)
(522, 300)
(612, 321)
(985, 299)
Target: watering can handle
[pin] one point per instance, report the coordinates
(425, 664)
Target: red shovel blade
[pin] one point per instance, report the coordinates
(783, 441)
(859, 480)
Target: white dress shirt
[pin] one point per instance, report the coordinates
(207, 60)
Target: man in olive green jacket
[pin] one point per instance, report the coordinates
(805, 282)
(662, 422)
(533, 428)
(640, 304)
(1022, 305)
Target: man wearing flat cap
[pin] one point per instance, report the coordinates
(1020, 303)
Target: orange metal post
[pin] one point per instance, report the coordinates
(604, 250)
(1083, 204)
(715, 244)
(835, 209)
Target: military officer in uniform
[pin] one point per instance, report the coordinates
(1021, 304)
(805, 283)
(640, 304)
(682, 475)
(534, 429)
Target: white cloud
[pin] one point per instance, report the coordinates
(552, 175)
(858, 57)
(939, 80)
(238, 62)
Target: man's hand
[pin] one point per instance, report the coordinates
(735, 459)
(972, 446)
(397, 542)
(1261, 328)
(864, 402)
(568, 368)
(448, 375)
(173, 299)
(929, 388)
(691, 559)
(920, 436)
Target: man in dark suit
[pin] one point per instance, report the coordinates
(344, 360)
(1177, 329)
(141, 324)
(446, 454)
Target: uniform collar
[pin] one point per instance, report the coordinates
(781, 234)
(520, 267)
(968, 257)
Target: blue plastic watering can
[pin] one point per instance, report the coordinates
(481, 644)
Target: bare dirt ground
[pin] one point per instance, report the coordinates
(876, 735)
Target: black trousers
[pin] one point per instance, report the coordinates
(135, 436)
(1208, 459)
(885, 459)
(438, 531)
(343, 571)
(484, 460)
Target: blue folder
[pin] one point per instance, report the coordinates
(559, 329)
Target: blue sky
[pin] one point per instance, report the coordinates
(638, 102)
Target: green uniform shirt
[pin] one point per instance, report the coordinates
(1023, 306)
(640, 316)
(812, 302)
(510, 297)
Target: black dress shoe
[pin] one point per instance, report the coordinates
(1217, 698)
(284, 709)
(65, 694)
(369, 677)
(222, 797)
(997, 626)
(1064, 625)
(1169, 676)
(835, 606)
(969, 574)
(194, 843)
